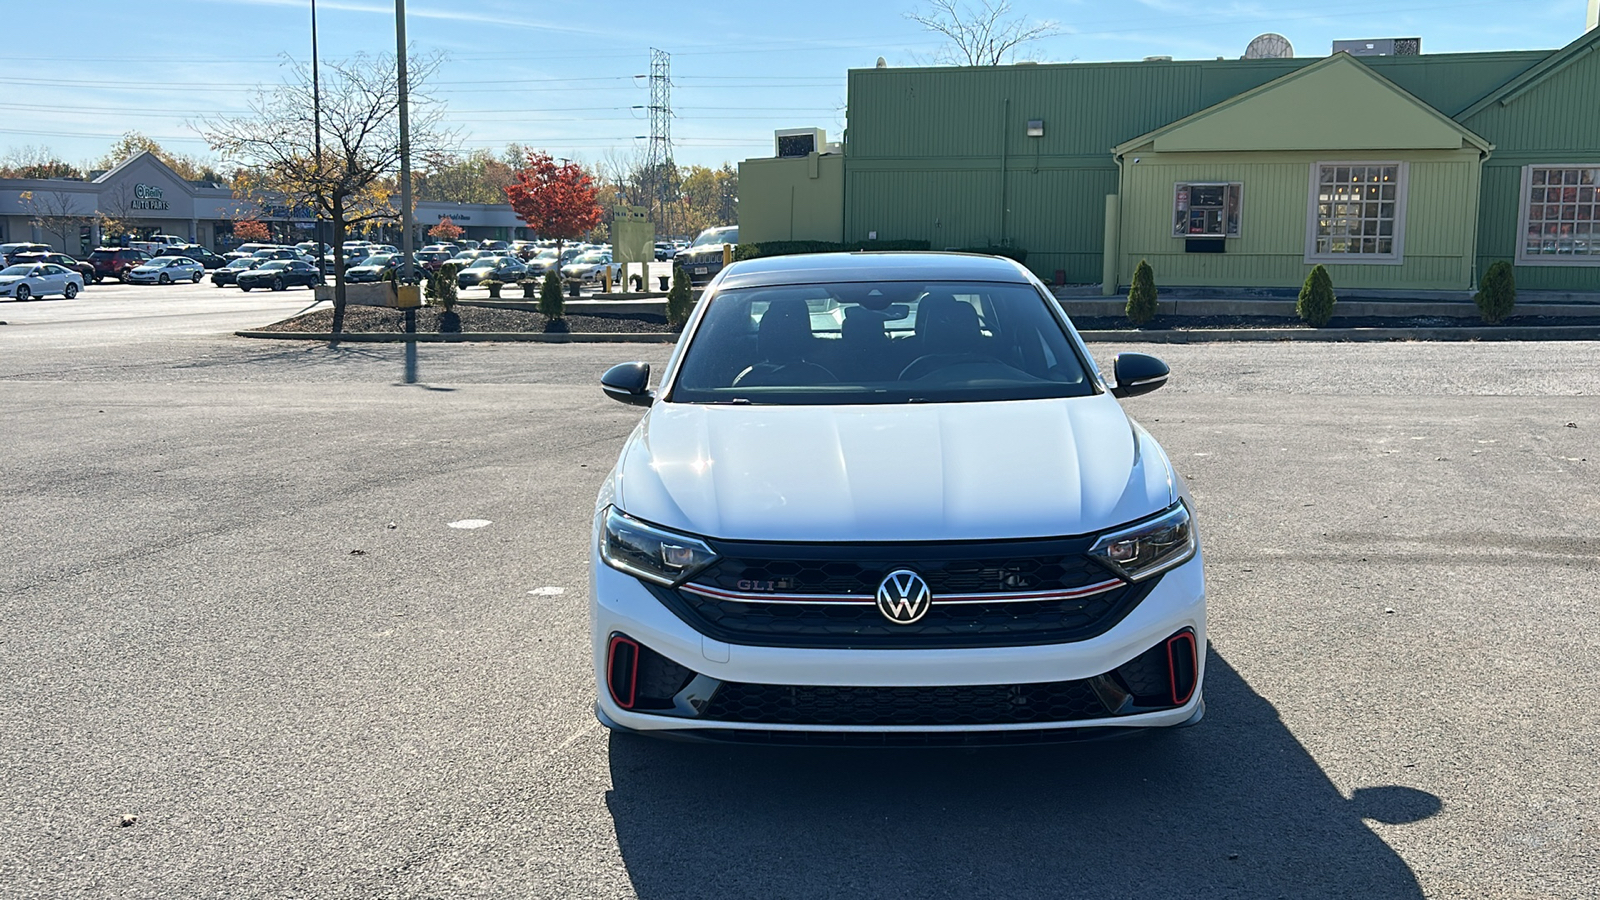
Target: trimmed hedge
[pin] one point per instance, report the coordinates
(790, 248)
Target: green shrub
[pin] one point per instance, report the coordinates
(1016, 253)
(441, 289)
(1497, 294)
(679, 300)
(1315, 306)
(1142, 295)
(552, 305)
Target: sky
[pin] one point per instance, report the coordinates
(566, 76)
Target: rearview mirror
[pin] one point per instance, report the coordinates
(1138, 374)
(628, 383)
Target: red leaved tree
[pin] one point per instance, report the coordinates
(251, 230)
(556, 201)
(446, 230)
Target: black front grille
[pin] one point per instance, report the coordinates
(996, 704)
(965, 568)
(986, 567)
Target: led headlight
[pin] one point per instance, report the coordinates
(1149, 547)
(652, 553)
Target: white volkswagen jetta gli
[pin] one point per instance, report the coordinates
(889, 498)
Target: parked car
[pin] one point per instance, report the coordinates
(507, 269)
(929, 519)
(9, 252)
(197, 253)
(431, 260)
(280, 274)
(546, 259)
(372, 268)
(497, 246)
(116, 262)
(703, 259)
(28, 280)
(61, 259)
(665, 251)
(229, 273)
(166, 270)
(589, 266)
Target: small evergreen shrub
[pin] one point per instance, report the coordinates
(552, 305)
(1141, 306)
(1315, 306)
(441, 289)
(1497, 294)
(679, 300)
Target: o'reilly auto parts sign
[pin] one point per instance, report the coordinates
(148, 196)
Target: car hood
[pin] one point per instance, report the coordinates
(12, 279)
(922, 472)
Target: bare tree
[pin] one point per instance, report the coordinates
(355, 180)
(56, 212)
(981, 34)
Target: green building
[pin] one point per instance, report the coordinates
(1398, 172)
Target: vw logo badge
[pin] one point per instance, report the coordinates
(903, 597)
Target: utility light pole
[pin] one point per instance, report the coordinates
(316, 119)
(405, 144)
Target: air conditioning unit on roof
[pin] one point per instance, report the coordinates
(792, 142)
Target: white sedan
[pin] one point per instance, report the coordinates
(30, 280)
(166, 270)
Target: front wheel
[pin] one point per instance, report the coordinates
(197, 276)
(164, 279)
(71, 291)
(278, 285)
(23, 293)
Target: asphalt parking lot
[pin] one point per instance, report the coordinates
(232, 605)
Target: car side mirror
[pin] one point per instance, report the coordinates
(628, 383)
(1138, 373)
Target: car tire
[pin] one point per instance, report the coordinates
(278, 285)
(198, 276)
(98, 278)
(23, 293)
(123, 277)
(164, 279)
(70, 291)
(245, 288)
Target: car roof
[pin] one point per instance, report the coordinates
(813, 268)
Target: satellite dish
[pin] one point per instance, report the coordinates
(1269, 46)
(883, 63)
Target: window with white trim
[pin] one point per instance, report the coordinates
(1206, 209)
(1560, 216)
(1357, 212)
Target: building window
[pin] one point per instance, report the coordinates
(1206, 209)
(1357, 212)
(1560, 216)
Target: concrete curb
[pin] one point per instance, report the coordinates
(527, 337)
(1339, 335)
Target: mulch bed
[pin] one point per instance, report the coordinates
(1201, 323)
(473, 318)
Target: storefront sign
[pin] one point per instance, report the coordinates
(148, 196)
(442, 217)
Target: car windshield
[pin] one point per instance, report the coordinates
(879, 342)
(17, 270)
(587, 258)
(484, 262)
(717, 236)
(274, 264)
(380, 259)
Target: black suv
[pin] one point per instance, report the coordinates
(703, 259)
(114, 262)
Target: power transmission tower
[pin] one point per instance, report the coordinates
(658, 162)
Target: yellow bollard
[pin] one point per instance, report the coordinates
(605, 279)
(727, 254)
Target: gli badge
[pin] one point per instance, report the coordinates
(903, 597)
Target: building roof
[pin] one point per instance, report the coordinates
(1537, 75)
(1303, 111)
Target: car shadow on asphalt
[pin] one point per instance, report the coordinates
(1234, 807)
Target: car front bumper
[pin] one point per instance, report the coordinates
(621, 605)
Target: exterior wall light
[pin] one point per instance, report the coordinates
(1035, 128)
